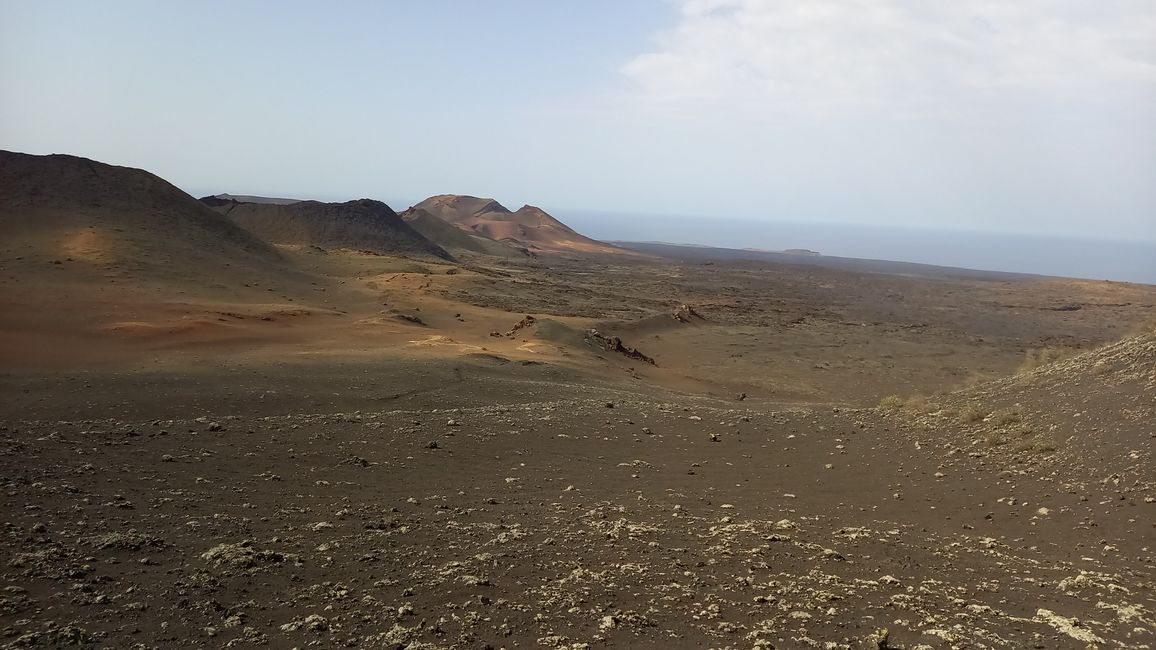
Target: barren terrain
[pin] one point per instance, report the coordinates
(325, 447)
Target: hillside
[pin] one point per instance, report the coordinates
(529, 225)
(362, 225)
(1092, 410)
(97, 259)
(88, 215)
(452, 238)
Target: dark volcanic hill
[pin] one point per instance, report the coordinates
(363, 224)
(529, 226)
(117, 219)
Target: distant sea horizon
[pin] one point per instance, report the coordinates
(1036, 254)
(1052, 255)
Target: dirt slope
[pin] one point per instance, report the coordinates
(1089, 414)
(529, 225)
(467, 504)
(93, 256)
(364, 224)
(452, 238)
(104, 218)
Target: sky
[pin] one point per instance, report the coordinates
(1034, 116)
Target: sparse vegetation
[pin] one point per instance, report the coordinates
(972, 413)
(1006, 416)
(922, 404)
(1145, 326)
(891, 403)
(1038, 357)
(915, 404)
(1041, 445)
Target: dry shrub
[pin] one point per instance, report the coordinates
(972, 413)
(1040, 357)
(1006, 416)
(1041, 445)
(1145, 326)
(915, 403)
(891, 403)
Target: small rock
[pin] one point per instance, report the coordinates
(316, 623)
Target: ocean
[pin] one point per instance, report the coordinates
(1095, 259)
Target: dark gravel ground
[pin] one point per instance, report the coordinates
(525, 506)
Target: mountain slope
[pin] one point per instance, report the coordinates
(529, 225)
(1092, 411)
(118, 219)
(451, 237)
(98, 260)
(363, 224)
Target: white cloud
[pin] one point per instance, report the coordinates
(778, 58)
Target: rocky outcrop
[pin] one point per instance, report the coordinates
(615, 344)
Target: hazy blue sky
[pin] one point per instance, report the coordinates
(1033, 116)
